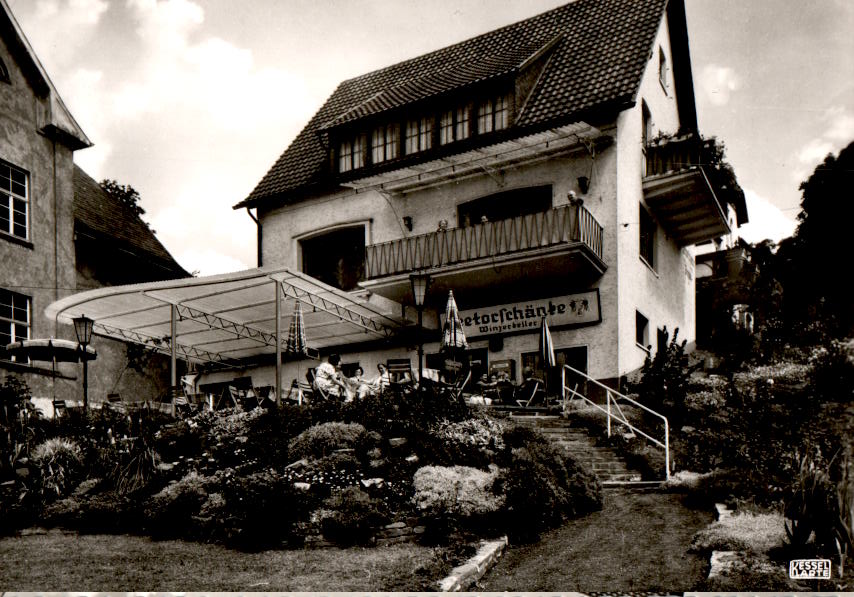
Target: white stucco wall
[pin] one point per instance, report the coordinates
(665, 294)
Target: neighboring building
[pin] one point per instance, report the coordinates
(50, 217)
(552, 167)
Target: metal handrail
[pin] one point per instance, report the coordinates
(564, 224)
(611, 397)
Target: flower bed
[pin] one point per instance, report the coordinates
(345, 472)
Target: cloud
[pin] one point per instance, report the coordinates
(767, 221)
(839, 132)
(53, 22)
(841, 126)
(718, 82)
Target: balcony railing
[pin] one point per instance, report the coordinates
(674, 154)
(562, 225)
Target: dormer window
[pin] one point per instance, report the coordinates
(493, 114)
(454, 125)
(352, 154)
(419, 135)
(385, 143)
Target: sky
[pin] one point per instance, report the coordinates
(191, 101)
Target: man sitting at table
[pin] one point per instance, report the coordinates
(328, 378)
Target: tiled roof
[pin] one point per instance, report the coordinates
(107, 217)
(597, 62)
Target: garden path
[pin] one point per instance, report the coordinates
(637, 542)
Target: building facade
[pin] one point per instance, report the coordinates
(551, 168)
(51, 213)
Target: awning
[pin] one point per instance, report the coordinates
(230, 319)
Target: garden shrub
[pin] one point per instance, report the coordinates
(260, 510)
(472, 442)
(60, 466)
(832, 375)
(350, 517)
(320, 440)
(542, 486)
(457, 491)
(169, 512)
(812, 510)
(664, 380)
(103, 512)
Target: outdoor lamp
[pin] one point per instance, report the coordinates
(420, 282)
(83, 329)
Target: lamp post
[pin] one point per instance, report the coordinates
(420, 282)
(83, 329)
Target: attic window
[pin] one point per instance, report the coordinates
(454, 125)
(4, 72)
(351, 154)
(662, 69)
(493, 114)
(385, 143)
(419, 135)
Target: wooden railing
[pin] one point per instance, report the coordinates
(566, 224)
(673, 154)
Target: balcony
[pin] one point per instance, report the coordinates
(678, 190)
(563, 244)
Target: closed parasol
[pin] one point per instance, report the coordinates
(453, 336)
(54, 350)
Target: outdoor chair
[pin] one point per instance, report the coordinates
(60, 409)
(309, 375)
(302, 390)
(458, 388)
(529, 393)
(399, 371)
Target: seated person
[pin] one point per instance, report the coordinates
(382, 380)
(328, 378)
(360, 386)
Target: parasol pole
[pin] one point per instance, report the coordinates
(278, 343)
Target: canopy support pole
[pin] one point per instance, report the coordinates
(278, 343)
(173, 379)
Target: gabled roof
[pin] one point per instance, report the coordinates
(59, 123)
(597, 52)
(105, 218)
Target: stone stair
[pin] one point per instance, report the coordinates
(606, 464)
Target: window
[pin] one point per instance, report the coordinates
(15, 318)
(646, 131)
(336, 257)
(351, 154)
(641, 330)
(454, 125)
(505, 205)
(647, 237)
(14, 201)
(493, 115)
(385, 143)
(662, 69)
(419, 135)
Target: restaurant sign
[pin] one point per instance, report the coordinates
(560, 311)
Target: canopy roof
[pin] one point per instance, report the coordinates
(230, 319)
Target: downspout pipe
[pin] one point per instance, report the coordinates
(257, 236)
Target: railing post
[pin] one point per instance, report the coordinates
(608, 397)
(563, 389)
(666, 450)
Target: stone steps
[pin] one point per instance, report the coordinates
(606, 464)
